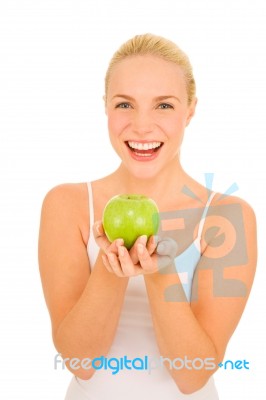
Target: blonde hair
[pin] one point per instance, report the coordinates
(149, 44)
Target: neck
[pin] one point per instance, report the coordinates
(168, 182)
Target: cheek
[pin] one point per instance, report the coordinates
(173, 126)
(116, 124)
(181, 120)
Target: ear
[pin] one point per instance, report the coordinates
(191, 110)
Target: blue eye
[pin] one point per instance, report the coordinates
(123, 105)
(164, 106)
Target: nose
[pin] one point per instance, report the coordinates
(142, 122)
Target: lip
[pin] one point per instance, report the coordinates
(136, 157)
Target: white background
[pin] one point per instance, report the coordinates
(54, 54)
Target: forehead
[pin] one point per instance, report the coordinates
(147, 73)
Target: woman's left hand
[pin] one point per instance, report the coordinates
(145, 257)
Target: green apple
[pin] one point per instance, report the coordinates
(129, 216)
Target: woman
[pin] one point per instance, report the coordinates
(160, 313)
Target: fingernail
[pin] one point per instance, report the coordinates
(140, 248)
(121, 251)
(143, 239)
(119, 242)
(103, 258)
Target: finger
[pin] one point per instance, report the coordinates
(127, 265)
(98, 230)
(167, 247)
(113, 248)
(166, 251)
(99, 236)
(102, 240)
(115, 264)
(151, 245)
(134, 249)
(145, 259)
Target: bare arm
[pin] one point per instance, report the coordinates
(84, 307)
(204, 328)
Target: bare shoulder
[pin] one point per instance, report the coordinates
(66, 193)
(68, 201)
(229, 199)
(220, 199)
(231, 225)
(229, 236)
(229, 205)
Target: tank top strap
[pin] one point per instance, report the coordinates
(92, 247)
(91, 208)
(205, 211)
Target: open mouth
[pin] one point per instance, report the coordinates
(146, 149)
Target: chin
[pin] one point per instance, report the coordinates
(146, 173)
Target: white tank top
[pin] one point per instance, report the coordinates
(135, 339)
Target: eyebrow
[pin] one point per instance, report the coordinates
(158, 98)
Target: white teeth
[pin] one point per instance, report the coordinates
(144, 146)
(143, 155)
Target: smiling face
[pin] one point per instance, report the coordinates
(147, 109)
